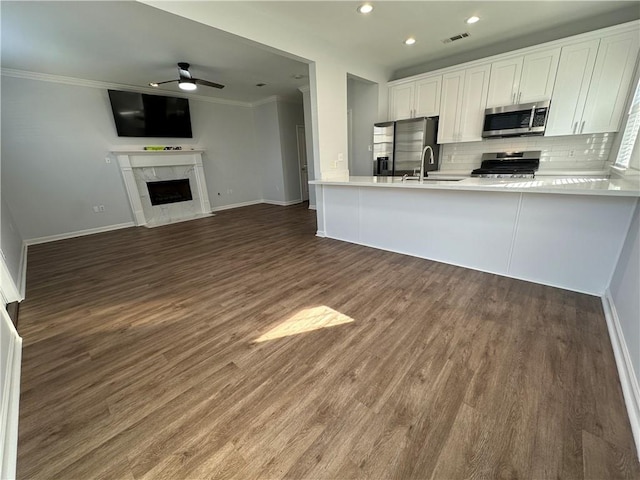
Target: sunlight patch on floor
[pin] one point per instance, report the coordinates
(306, 320)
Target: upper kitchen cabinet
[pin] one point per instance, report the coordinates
(464, 96)
(419, 98)
(592, 85)
(523, 79)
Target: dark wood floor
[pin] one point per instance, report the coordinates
(242, 346)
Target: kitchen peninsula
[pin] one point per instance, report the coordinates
(565, 232)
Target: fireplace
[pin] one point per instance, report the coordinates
(169, 191)
(164, 186)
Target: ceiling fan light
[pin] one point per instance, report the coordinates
(365, 8)
(187, 85)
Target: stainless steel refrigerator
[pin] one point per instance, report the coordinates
(398, 146)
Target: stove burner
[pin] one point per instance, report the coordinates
(508, 165)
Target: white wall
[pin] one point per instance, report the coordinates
(362, 100)
(328, 69)
(55, 138)
(290, 115)
(590, 152)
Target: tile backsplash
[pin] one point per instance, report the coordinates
(574, 152)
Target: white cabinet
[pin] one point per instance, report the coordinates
(420, 98)
(610, 83)
(401, 101)
(523, 79)
(592, 85)
(464, 97)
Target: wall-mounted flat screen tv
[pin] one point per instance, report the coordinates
(142, 115)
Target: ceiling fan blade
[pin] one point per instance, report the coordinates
(207, 83)
(166, 81)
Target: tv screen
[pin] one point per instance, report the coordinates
(142, 115)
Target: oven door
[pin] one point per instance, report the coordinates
(515, 120)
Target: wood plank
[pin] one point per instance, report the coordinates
(146, 361)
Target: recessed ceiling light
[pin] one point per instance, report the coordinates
(473, 19)
(365, 8)
(410, 41)
(260, 84)
(153, 84)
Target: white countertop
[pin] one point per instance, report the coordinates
(572, 185)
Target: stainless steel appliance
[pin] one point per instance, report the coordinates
(508, 165)
(516, 120)
(383, 148)
(398, 146)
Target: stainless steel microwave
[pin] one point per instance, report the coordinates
(516, 120)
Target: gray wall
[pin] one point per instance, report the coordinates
(54, 141)
(269, 151)
(290, 115)
(362, 99)
(624, 289)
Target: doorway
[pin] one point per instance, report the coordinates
(302, 163)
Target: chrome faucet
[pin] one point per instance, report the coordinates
(431, 162)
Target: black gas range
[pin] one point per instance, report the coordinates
(508, 165)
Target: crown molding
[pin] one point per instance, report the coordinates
(80, 82)
(272, 98)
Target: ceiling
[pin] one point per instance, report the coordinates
(130, 43)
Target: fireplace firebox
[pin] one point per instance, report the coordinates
(169, 191)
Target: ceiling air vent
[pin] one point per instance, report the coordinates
(460, 36)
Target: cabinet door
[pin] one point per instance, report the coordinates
(538, 76)
(427, 97)
(571, 88)
(450, 107)
(474, 101)
(401, 101)
(504, 83)
(610, 83)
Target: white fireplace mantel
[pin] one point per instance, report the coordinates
(139, 166)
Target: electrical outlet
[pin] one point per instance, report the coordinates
(107, 159)
(371, 148)
(340, 157)
(572, 153)
(101, 208)
(95, 209)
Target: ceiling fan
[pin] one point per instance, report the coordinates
(186, 81)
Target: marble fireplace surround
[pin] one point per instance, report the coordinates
(141, 166)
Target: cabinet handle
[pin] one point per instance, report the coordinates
(582, 126)
(575, 125)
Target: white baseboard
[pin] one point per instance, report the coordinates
(321, 234)
(281, 203)
(628, 378)
(9, 290)
(312, 207)
(9, 395)
(80, 233)
(22, 274)
(236, 205)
